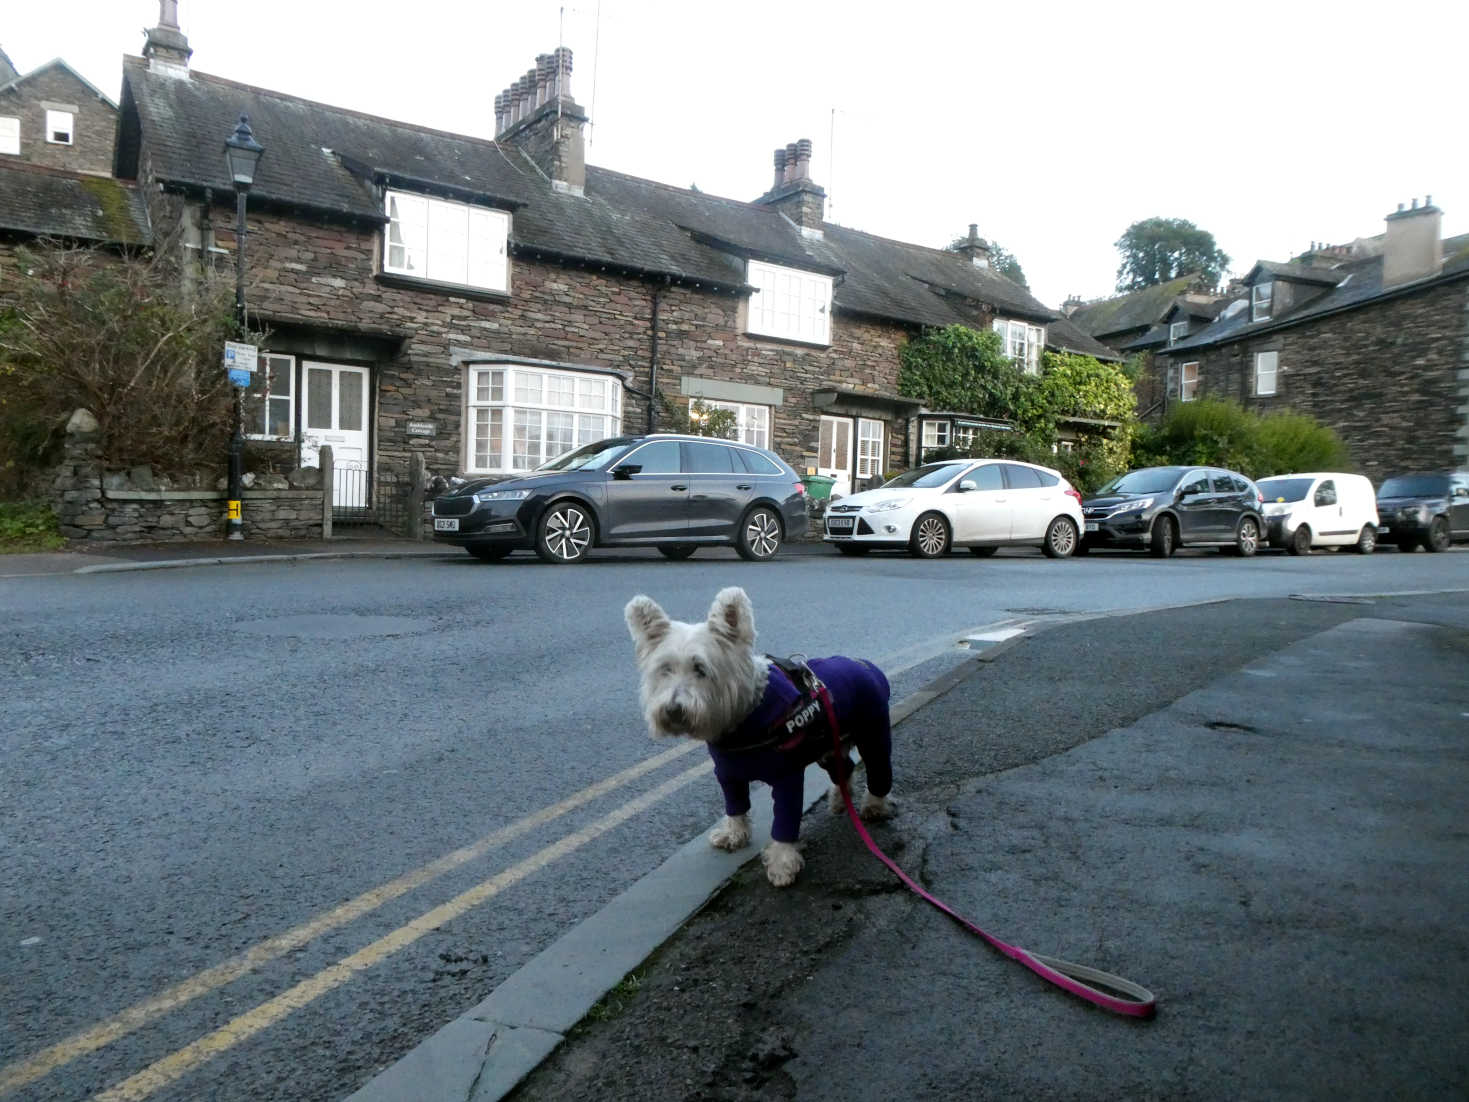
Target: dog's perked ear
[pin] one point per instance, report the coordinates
(646, 621)
(732, 617)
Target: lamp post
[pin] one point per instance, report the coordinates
(241, 153)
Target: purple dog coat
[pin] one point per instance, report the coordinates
(788, 731)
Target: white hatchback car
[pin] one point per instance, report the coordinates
(981, 504)
(1319, 509)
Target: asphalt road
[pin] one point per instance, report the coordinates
(262, 828)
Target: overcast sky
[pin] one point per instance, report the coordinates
(1054, 126)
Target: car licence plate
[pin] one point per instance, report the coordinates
(1382, 531)
(446, 524)
(1091, 526)
(840, 524)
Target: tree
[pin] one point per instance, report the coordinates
(1156, 250)
(1002, 260)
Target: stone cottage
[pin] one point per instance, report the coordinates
(489, 304)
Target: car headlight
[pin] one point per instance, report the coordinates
(888, 506)
(1132, 506)
(484, 497)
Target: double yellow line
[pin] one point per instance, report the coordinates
(177, 1064)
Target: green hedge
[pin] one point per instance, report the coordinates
(28, 527)
(1223, 434)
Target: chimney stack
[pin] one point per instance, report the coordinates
(1413, 245)
(165, 46)
(793, 193)
(976, 248)
(537, 114)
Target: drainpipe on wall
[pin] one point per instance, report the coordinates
(656, 296)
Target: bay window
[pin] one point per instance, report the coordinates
(520, 417)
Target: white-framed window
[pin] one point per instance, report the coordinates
(520, 417)
(789, 303)
(270, 399)
(752, 423)
(1023, 343)
(869, 448)
(964, 435)
(1267, 368)
(1177, 331)
(60, 127)
(935, 434)
(9, 134)
(1188, 381)
(1260, 296)
(447, 242)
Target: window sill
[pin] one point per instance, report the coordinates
(413, 283)
(794, 341)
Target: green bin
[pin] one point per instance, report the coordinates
(818, 486)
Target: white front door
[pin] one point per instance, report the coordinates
(334, 411)
(834, 454)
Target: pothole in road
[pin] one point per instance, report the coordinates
(335, 626)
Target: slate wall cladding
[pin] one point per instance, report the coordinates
(95, 122)
(324, 271)
(1385, 376)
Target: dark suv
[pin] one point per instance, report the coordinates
(1427, 509)
(1164, 508)
(675, 493)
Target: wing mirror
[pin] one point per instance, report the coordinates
(968, 486)
(625, 471)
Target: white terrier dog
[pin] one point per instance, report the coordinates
(707, 682)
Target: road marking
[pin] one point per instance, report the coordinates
(140, 1014)
(174, 1066)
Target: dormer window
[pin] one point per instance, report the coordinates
(59, 127)
(789, 303)
(1023, 343)
(442, 241)
(1177, 331)
(1260, 296)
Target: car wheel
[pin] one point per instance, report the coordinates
(852, 549)
(565, 533)
(1061, 538)
(758, 537)
(1366, 540)
(489, 552)
(1438, 535)
(1300, 540)
(1165, 536)
(677, 551)
(930, 537)
(983, 552)
(1247, 538)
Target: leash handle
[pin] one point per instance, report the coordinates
(1110, 992)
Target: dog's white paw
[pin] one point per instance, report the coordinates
(834, 802)
(782, 862)
(875, 808)
(732, 833)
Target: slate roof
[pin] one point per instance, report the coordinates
(1295, 273)
(1359, 282)
(1063, 336)
(48, 202)
(1134, 310)
(325, 159)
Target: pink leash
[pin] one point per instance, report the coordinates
(1138, 1002)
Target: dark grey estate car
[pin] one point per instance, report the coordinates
(675, 493)
(1427, 509)
(1163, 508)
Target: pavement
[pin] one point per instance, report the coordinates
(1257, 814)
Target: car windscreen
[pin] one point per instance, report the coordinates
(934, 474)
(588, 457)
(1150, 480)
(1415, 485)
(1285, 489)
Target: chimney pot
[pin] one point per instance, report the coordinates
(1428, 200)
(790, 173)
(780, 168)
(561, 58)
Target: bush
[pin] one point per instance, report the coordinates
(1222, 434)
(28, 527)
(123, 337)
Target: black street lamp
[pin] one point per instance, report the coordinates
(241, 153)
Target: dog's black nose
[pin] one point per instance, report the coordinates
(675, 715)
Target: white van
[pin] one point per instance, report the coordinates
(1327, 509)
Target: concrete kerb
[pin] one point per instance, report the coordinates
(245, 560)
